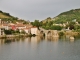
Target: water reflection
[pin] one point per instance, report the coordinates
(37, 39)
(50, 38)
(72, 40)
(40, 48)
(9, 40)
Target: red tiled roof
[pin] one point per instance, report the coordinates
(34, 27)
(20, 25)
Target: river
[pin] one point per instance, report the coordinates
(40, 48)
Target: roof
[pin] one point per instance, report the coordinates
(19, 25)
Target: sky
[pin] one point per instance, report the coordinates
(37, 9)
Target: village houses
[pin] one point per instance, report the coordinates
(28, 28)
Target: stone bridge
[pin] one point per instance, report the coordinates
(53, 33)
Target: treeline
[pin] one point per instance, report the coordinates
(7, 14)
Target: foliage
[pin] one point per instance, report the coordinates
(76, 27)
(25, 22)
(17, 31)
(36, 23)
(54, 27)
(71, 25)
(23, 32)
(61, 33)
(8, 32)
(7, 17)
(70, 16)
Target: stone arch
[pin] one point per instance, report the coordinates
(49, 33)
(42, 33)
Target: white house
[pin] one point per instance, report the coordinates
(34, 30)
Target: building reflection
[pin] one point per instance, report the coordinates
(32, 40)
(2, 41)
(71, 40)
(50, 38)
(35, 40)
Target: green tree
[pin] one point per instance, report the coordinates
(54, 27)
(36, 23)
(23, 32)
(76, 27)
(7, 32)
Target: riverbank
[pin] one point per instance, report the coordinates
(13, 36)
(71, 33)
(61, 33)
(17, 35)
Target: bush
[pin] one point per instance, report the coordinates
(7, 32)
(61, 33)
(54, 27)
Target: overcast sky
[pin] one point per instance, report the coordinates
(37, 9)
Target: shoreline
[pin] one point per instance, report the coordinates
(61, 33)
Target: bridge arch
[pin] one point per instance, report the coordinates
(53, 33)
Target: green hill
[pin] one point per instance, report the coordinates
(7, 17)
(68, 16)
(64, 17)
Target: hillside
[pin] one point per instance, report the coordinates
(64, 17)
(68, 16)
(7, 17)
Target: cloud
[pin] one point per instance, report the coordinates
(37, 9)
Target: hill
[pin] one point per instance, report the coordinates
(64, 17)
(68, 16)
(7, 17)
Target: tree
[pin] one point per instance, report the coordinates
(76, 27)
(17, 31)
(54, 27)
(71, 25)
(36, 23)
(7, 32)
(23, 32)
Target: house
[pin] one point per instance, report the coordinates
(34, 30)
(20, 26)
(27, 30)
(1, 30)
(29, 26)
(5, 26)
(13, 27)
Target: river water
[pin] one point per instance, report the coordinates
(40, 48)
